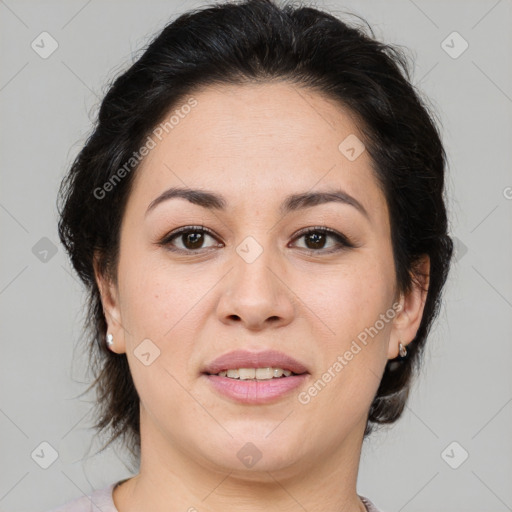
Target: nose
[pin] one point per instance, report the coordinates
(256, 294)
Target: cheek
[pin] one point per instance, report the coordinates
(158, 297)
(160, 303)
(352, 348)
(349, 297)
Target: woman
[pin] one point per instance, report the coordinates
(259, 219)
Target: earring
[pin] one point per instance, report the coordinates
(402, 350)
(110, 340)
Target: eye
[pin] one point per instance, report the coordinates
(316, 238)
(192, 238)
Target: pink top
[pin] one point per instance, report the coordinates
(101, 501)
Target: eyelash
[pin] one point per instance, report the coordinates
(342, 240)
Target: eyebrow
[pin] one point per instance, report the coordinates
(213, 201)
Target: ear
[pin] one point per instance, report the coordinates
(110, 302)
(408, 319)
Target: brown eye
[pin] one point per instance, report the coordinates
(192, 239)
(316, 239)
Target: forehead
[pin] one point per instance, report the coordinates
(257, 143)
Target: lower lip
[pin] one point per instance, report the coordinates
(256, 391)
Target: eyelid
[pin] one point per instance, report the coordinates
(185, 229)
(342, 240)
(328, 231)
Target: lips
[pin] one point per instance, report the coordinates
(246, 359)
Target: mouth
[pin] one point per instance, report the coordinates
(246, 365)
(255, 377)
(264, 373)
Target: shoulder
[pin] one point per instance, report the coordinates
(370, 507)
(99, 500)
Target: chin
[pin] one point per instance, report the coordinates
(252, 456)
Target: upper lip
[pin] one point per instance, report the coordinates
(246, 359)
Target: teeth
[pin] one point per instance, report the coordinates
(278, 372)
(246, 373)
(264, 373)
(255, 373)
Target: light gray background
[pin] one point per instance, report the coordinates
(465, 391)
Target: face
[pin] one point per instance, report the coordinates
(254, 271)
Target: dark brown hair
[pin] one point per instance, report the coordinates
(248, 42)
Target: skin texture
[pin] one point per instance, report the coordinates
(254, 144)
